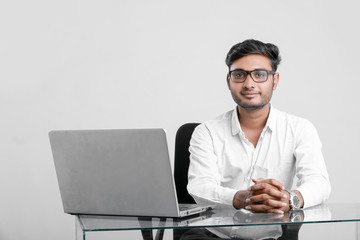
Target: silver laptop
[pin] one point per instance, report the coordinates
(116, 172)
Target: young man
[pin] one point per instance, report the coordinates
(257, 157)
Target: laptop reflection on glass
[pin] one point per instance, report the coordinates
(117, 172)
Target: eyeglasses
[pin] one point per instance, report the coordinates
(258, 75)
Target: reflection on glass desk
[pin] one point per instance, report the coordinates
(225, 223)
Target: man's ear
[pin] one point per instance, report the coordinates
(228, 81)
(276, 80)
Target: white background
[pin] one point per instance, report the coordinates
(142, 64)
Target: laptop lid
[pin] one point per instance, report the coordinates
(114, 172)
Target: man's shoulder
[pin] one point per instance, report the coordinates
(221, 120)
(284, 118)
(222, 117)
(219, 123)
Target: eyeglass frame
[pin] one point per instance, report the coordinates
(250, 72)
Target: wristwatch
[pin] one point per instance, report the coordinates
(295, 201)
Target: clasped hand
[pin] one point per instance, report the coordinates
(265, 196)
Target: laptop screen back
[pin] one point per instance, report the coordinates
(114, 172)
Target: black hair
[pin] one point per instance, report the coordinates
(252, 46)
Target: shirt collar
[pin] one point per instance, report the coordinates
(235, 124)
(270, 123)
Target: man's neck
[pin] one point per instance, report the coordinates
(253, 119)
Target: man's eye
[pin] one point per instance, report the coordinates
(239, 75)
(260, 74)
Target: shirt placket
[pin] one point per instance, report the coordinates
(253, 153)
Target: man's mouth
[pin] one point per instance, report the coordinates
(249, 94)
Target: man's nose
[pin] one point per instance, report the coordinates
(249, 82)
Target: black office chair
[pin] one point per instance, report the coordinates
(181, 167)
(182, 161)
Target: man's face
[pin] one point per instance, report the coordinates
(251, 95)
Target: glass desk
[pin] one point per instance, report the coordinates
(225, 223)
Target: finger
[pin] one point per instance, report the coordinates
(261, 186)
(257, 180)
(276, 183)
(273, 182)
(262, 208)
(274, 193)
(258, 198)
(258, 208)
(267, 200)
(275, 204)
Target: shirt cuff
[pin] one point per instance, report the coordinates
(307, 197)
(228, 195)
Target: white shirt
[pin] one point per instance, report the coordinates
(223, 160)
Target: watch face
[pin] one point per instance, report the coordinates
(296, 201)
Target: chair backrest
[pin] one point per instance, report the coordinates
(182, 161)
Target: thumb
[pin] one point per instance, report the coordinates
(257, 180)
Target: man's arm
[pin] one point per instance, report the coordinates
(313, 185)
(204, 175)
